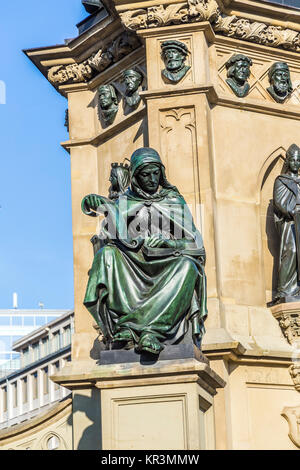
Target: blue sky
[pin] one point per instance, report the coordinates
(36, 252)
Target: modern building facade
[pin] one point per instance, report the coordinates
(28, 391)
(223, 150)
(16, 323)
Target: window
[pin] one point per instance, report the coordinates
(24, 391)
(4, 321)
(4, 398)
(14, 389)
(45, 346)
(36, 351)
(66, 336)
(53, 443)
(25, 353)
(45, 381)
(34, 378)
(55, 341)
(16, 320)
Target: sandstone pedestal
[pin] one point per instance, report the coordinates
(167, 404)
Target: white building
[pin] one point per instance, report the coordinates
(16, 323)
(28, 391)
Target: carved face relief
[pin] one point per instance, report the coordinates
(173, 59)
(105, 98)
(280, 80)
(238, 72)
(174, 55)
(108, 103)
(132, 81)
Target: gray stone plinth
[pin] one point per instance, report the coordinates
(181, 351)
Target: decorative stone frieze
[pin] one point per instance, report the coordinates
(192, 11)
(70, 73)
(106, 56)
(288, 316)
(295, 375)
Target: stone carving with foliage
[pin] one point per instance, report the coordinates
(106, 56)
(192, 11)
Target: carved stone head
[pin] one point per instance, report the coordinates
(108, 103)
(133, 81)
(280, 80)
(174, 54)
(238, 72)
(292, 161)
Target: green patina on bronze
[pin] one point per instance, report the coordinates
(286, 199)
(174, 54)
(144, 290)
(280, 80)
(238, 72)
(108, 103)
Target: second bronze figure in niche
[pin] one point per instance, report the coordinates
(286, 198)
(238, 72)
(108, 103)
(133, 80)
(280, 80)
(119, 179)
(174, 54)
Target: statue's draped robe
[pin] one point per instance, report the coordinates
(156, 294)
(285, 197)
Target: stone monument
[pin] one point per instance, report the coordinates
(223, 152)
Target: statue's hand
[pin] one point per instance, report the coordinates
(91, 203)
(157, 241)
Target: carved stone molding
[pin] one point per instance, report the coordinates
(288, 316)
(106, 56)
(295, 375)
(192, 11)
(74, 73)
(292, 415)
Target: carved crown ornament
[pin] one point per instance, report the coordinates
(97, 62)
(192, 11)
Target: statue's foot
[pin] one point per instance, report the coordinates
(149, 343)
(123, 335)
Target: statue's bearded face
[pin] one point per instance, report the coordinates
(105, 98)
(148, 178)
(294, 162)
(280, 81)
(173, 59)
(132, 82)
(241, 71)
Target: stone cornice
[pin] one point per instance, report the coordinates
(96, 63)
(193, 11)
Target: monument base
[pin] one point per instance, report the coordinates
(165, 405)
(283, 300)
